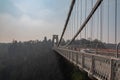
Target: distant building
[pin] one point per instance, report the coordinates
(45, 39)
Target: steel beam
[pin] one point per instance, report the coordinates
(86, 21)
(67, 20)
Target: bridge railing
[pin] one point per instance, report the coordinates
(90, 37)
(99, 66)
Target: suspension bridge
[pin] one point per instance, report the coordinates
(90, 38)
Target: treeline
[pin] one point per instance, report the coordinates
(30, 60)
(87, 43)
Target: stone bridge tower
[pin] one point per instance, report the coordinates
(55, 40)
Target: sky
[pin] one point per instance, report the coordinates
(25, 20)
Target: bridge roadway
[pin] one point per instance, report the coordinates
(101, 67)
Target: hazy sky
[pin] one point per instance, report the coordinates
(31, 19)
(25, 20)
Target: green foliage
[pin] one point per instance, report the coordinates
(79, 75)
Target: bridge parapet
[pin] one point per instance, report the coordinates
(99, 66)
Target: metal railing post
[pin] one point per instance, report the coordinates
(97, 48)
(76, 58)
(111, 76)
(72, 57)
(92, 66)
(117, 50)
(82, 60)
(69, 55)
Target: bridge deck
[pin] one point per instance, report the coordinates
(102, 67)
